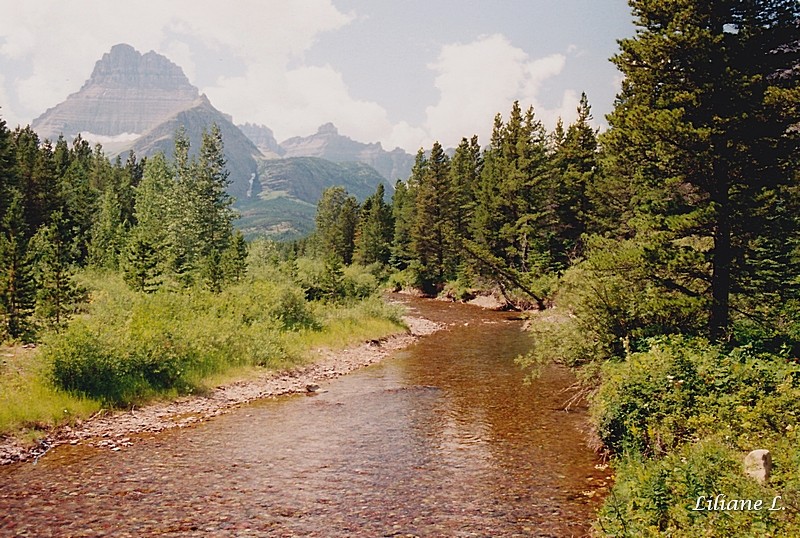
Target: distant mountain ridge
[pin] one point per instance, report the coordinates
(328, 144)
(135, 101)
(127, 92)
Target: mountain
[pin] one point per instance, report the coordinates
(137, 101)
(127, 94)
(328, 144)
(305, 178)
(264, 139)
(241, 154)
(290, 189)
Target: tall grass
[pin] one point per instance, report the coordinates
(28, 401)
(129, 347)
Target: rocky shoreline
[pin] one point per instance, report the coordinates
(114, 429)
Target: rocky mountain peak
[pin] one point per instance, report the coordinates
(327, 129)
(127, 93)
(328, 144)
(125, 67)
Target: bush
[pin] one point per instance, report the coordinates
(680, 417)
(135, 345)
(611, 306)
(657, 497)
(683, 389)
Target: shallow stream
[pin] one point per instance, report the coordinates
(442, 440)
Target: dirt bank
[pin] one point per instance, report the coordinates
(113, 429)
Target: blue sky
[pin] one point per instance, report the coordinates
(402, 73)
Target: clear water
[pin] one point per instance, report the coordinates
(444, 439)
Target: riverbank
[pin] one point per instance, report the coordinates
(117, 430)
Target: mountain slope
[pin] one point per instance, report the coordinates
(328, 144)
(241, 154)
(290, 189)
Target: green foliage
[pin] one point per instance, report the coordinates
(28, 401)
(433, 233)
(681, 416)
(705, 149)
(337, 217)
(657, 497)
(680, 389)
(373, 236)
(57, 294)
(142, 268)
(131, 346)
(17, 292)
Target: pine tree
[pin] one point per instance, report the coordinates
(234, 258)
(57, 294)
(214, 216)
(17, 287)
(108, 233)
(513, 219)
(77, 199)
(433, 235)
(404, 212)
(705, 133)
(465, 169)
(336, 219)
(142, 267)
(574, 164)
(8, 179)
(375, 228)
(152, 208)
(182, 235)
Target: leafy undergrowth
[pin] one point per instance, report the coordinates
(131, 347)
(681, 417)
(29, 403)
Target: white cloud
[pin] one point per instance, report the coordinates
(479, 79)
(260, 46)
(59, 42)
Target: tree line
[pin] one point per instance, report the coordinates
(67, 206)
(691, 194)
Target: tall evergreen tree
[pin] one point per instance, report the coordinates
(78, 199)
(213, 214)
(8, 180)
(17, 287)
(374, 234)
(705, 127)
(57, 294)
(433, 235)
(142, 268)
(108, 232)
(465, 170)
(336, 219)
(513, 220)
(404, 212)
(574, 162)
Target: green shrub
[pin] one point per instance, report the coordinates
(683, 389)
(292, 310)
(656, 497)
(611, 304)
(680, 417)
(132, 345)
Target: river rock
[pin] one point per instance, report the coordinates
(758, 464)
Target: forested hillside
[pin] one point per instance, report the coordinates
(668, 245)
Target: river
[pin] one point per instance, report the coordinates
(444, 439)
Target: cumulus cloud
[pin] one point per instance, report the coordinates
(479, 79)
(249, 59)
(58, 43)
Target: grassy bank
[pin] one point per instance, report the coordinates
(675, 413)
(130, 347)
